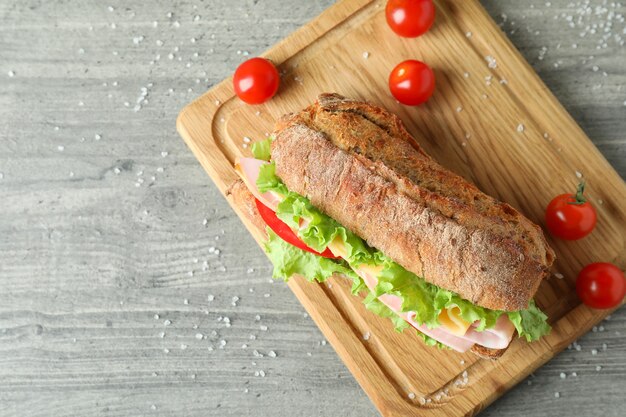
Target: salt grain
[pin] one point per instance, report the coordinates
(411, 395)
(199, 336)
(366, 55)
(520, 128)
(11, 73)
(366, 336)
(183, 346)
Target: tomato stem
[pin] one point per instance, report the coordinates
(579, 197)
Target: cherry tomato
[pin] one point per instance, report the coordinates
(410, 18)
(284, 231)
(412, 82)
(256, 80)
(571, 216)
(601, 285)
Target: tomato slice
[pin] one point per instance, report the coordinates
(284, 231)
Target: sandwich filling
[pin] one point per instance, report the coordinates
(441, 317)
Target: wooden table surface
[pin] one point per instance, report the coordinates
(128, 287)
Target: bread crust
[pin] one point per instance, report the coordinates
(357, 163)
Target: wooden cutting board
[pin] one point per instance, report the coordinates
(491, 120)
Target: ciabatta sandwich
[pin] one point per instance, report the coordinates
(429, 248)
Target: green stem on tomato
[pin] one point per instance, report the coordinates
(579, 197)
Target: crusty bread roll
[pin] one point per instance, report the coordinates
(357, 163)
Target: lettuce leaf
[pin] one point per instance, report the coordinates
(289, 260)
(530, 323)
(261, 149)
(268, 181)
(425, 299)
(373, 304)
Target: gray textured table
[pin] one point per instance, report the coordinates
(113, 240)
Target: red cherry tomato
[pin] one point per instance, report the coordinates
(412, 82)
(256, 80)
(601, 285)
(410, 18)
(284, 231)
(571, 216)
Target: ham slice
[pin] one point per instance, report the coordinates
(497, 337)
(248, 169)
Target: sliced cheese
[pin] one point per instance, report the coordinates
(452, 321)
(371, 270)
(338, 247)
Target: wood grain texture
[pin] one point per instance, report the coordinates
(87, 260)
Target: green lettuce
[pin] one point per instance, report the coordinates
(289, 260)
(530, 323)
(261, 149)
(425, 299)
